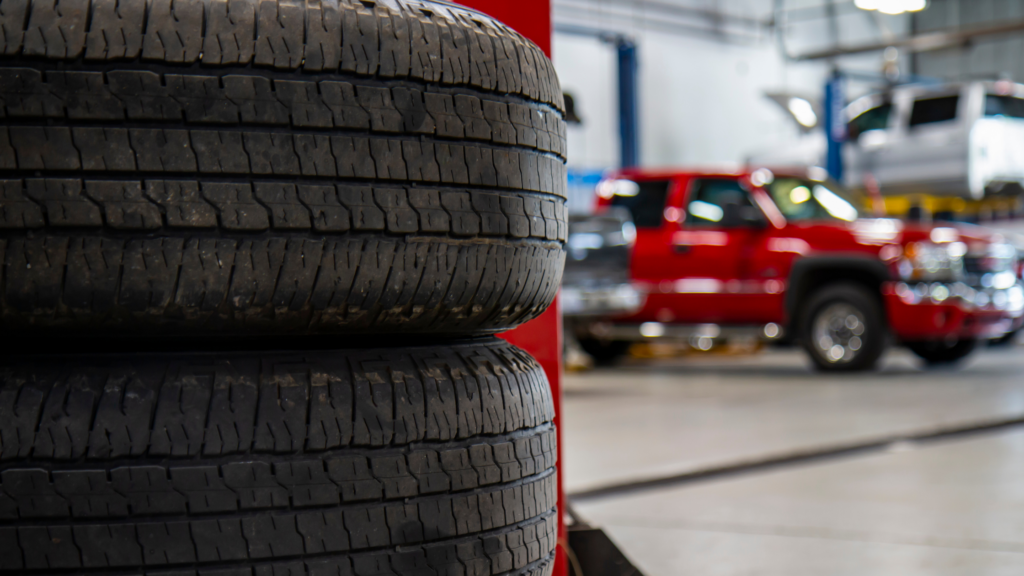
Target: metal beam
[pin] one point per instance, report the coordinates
(921, 42)
(673, 19)
(711, 15)
(820, 11)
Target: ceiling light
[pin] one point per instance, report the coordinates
(892, 6)
(803, 111)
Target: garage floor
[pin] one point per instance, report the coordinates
(954, 506)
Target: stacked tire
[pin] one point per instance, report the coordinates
(254, 255)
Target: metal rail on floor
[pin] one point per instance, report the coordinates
(795, 458)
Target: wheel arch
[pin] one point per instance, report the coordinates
(812, 272)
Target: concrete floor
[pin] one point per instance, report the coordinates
(953, 507)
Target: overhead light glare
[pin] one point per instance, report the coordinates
(707, 211)
(803, 111)
(817, 173)
(892, 6)
(834, 204)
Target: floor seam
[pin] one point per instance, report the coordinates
(798, 457)
(823, 534)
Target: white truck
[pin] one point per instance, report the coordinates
(954, 140)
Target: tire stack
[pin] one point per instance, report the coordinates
(254, 254)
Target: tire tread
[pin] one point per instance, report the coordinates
(416, 39)
(434, 458)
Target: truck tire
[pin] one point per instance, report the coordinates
(238, 166)
(941, 353)
(843, 328)
(1008, 339)
(605, 352)
(437, 459)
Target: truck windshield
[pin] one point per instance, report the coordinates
(800, 199)
(873, 119)
(1006, 106)
(644, 200)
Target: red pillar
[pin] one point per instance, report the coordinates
(541, 337)
(531, 18)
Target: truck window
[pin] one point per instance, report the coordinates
(709, 197)
(800, 200)
(1006, 106)
(932, 110)
(646, 202)
(873, 119)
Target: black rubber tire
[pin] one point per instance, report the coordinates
(429, 460)
(868, 304)
(940, 353)
(605, 352)
(1005, 340)
(243, 167)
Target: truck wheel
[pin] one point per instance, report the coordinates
(605, 352)
(236, 167)
(1006, 339)
(936, 353)
(843, 328)
(419, 460)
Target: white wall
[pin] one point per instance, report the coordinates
(701, 98)
(703, 103)
(587, 70)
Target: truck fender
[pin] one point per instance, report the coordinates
(812, 271)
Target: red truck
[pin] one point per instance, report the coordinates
(787, 255)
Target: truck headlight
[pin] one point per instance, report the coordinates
(1015, 295)
(931, 262)
(995, 259)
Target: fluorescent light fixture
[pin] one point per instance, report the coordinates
(803, 112)
(892, 6)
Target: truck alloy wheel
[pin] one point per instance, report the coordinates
(837, 333)
(842, 328)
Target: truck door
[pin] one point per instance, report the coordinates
(705, 268)
(929, 152)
